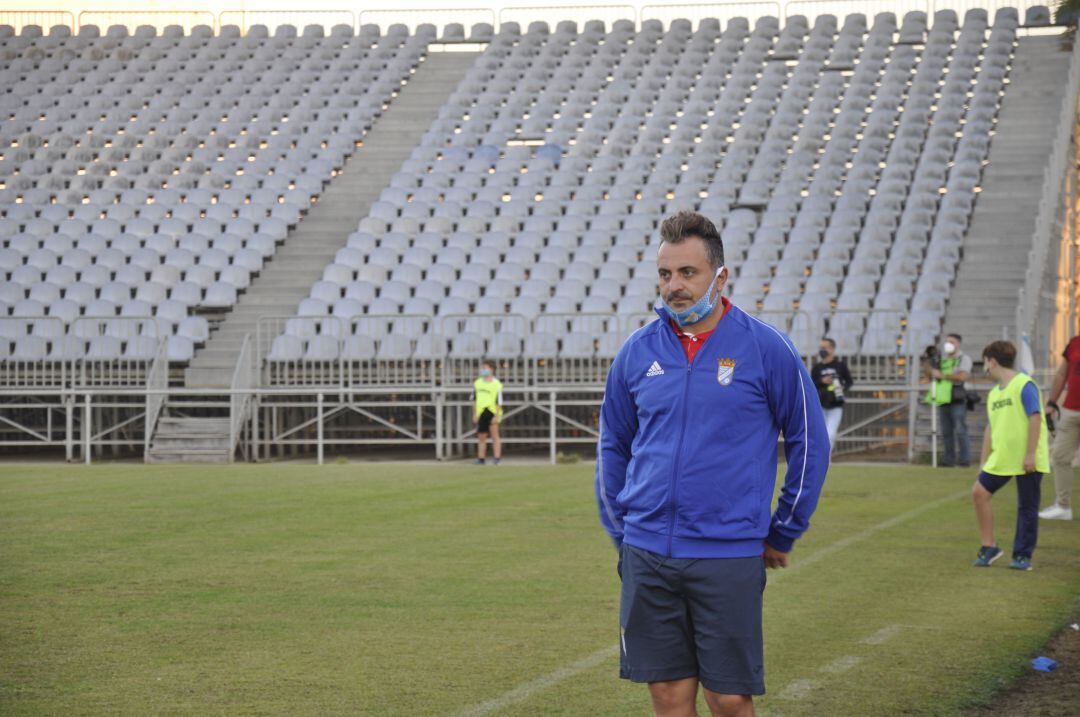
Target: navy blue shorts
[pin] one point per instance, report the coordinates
(684, 617)
(483, 424)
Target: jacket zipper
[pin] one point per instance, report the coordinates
(672, 507)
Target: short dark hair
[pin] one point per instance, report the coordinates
(1004, 352)
(955, 336)
(685, 224)
(490, 364)
(831, 342)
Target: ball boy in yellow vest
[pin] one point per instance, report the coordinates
(1015, 445)
(487, 393)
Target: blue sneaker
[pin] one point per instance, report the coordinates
(987, 555)
(1020, 563)
(480, 461)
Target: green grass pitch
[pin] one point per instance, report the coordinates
(408, 589)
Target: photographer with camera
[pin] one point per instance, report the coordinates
(948, 372)
(831, 378)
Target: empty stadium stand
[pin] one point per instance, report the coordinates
(380, 207)
(150, 174)
(299, 262)
(843, 162)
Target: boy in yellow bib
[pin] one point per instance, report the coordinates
(1015, 444)
(487, 393)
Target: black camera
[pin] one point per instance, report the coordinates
(932, 356)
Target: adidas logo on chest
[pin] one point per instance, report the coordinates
(655, 369)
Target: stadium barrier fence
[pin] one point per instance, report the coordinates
(18, 19)
(131, 19)
(272, 19)
(411, 18)
(268, 423)
(553, 14)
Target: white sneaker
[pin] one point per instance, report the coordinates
(1056, 512)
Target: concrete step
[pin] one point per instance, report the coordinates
(995, 250)
(187, 439)
(187, 455)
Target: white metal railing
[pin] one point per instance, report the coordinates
(439, 404)
(45, 19)
(440, 17)
(131, 19)
(157, 380)
(637, 13)
(1030, 294)
(273, 19)
(240, 396)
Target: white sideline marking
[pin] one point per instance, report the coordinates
(883, 635)
(523, 692)
(871, 531)
(527, 690)
(798, 689)
(841, 664)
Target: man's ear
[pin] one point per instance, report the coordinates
(721, 280)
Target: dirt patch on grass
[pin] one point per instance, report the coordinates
(1043, 694)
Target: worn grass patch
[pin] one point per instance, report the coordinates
(394, 589)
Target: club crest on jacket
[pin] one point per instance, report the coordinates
(725, 371)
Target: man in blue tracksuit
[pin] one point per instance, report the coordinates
(686, 467)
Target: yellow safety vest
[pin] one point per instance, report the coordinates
(1009, 431)
(487, 395)
(942, 396)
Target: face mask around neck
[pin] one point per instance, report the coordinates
(701, 309)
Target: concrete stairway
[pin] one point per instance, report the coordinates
(190, 440)
(983, 300)
(288, 277)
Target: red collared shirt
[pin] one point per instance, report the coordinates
(692, 342)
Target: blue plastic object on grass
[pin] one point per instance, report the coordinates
(1044, 664)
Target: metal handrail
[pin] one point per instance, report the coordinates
(157, 379)
(751, 9)
(18, 19)
(187, 19)
(411, 17)
(246, 18)
(568, 12)
(240, 396)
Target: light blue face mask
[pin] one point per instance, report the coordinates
(485, 372)
(701, 308)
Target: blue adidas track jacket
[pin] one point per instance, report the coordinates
(686, 463)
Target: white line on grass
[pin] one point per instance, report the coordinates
(883, 635)
(841, 664)
(523, 692)
(527, 690)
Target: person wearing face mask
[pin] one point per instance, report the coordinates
(686, 465)
(487, 394)
(1015, 445)
(832, 379)
(948, 394)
